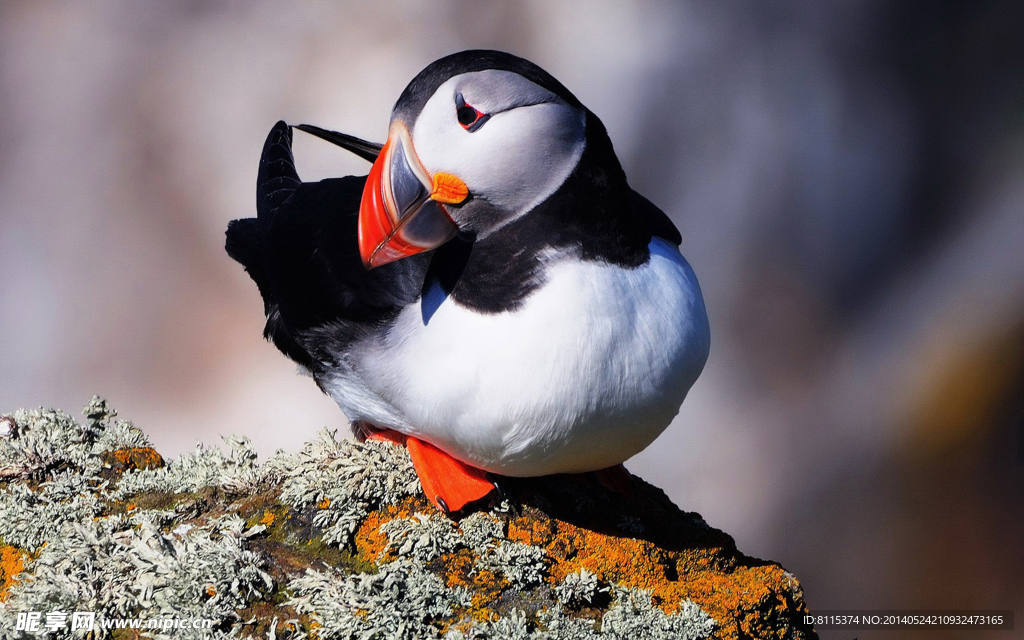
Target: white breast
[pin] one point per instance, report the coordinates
(586, 374)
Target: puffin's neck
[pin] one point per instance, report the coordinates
(592, 212)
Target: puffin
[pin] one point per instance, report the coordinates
(493, 295)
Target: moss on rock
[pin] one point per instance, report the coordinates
(338, 541)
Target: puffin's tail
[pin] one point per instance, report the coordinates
(277, 179)
(275, 183)
(245, 243)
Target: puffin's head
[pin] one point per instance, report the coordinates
(476, 140)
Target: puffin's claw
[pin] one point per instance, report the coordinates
(504, 497)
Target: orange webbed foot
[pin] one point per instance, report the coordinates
(449, 483)
(617, 479)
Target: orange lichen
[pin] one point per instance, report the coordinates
(12, 562)
(747, 599)
(370, 542)
(625, 561)
(323, 504)
(737, 597)
(121, 460)
(484, 585)
(211, 590)
(531, 530)
(268, 518)
(457, 569)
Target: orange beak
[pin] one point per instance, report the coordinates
(402, 211)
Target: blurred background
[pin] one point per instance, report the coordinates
(848, 178)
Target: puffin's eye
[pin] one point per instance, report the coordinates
(468, 117)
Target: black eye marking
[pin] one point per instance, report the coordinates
(468, 117)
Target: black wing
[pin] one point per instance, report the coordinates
(301, 251)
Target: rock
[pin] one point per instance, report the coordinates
(338, 541)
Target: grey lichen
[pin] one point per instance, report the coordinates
(514, 626)
(112, 565)
(519, 563)
(236, 472)
(29, 518)
(579, 589)
(112, 435)
(480, 530)
(423, 537)
(335, 541)
(62, 460)
(630, 617)
(117, 569)
(345, 481)
(633, 615)
(45, 440)
(403, 601)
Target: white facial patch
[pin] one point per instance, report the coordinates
(525, 150)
